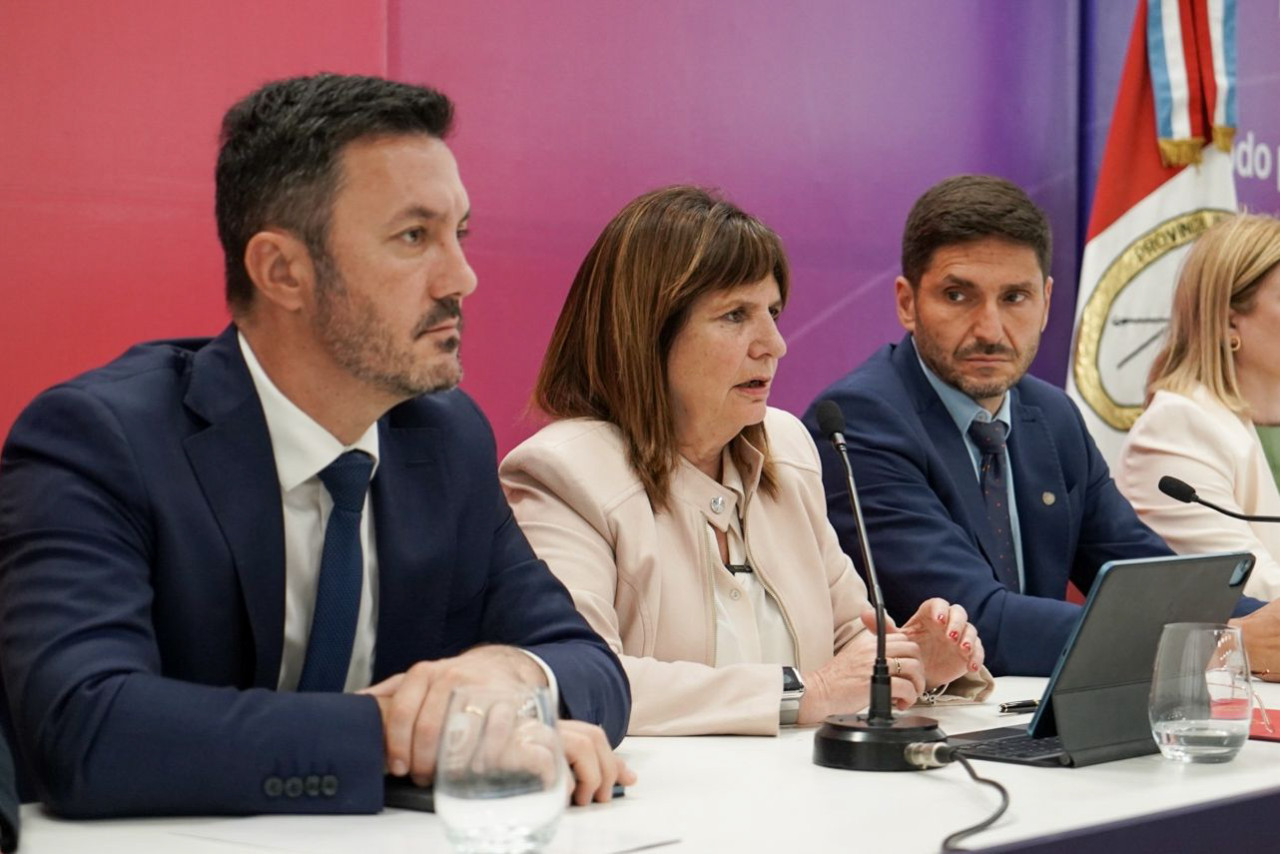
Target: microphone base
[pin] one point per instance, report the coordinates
(853, 743)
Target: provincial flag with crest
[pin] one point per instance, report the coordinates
(1166, 176)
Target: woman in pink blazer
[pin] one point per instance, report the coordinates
(685, 516)
(1213, 410)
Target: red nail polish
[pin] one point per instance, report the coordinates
(954, 635)
(968, 645)
(942, 618)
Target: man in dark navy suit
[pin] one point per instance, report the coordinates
(978, 483)
(243, 574)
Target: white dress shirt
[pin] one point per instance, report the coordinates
(750, 628)
(302, 449)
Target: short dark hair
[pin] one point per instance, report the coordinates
(966, 208)
(279, 161)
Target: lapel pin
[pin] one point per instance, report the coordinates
(1048, 498)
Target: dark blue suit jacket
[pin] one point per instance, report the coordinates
(927, 522)
(142, 591)
(8, 800)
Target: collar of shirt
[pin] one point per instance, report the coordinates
(963, 411)
(731, 480)
(962, 408)
(301, 446)
(733, 490)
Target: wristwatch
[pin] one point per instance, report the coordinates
(792, 692)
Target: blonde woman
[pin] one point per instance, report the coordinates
(1213, 402)
(686, 517)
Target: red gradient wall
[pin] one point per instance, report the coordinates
(110, 120)
(825, 118)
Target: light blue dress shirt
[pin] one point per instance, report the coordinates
(963, 410)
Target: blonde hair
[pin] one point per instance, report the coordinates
(1220, 276)
(608, 355)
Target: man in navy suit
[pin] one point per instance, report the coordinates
(974, 299)
(243, 574)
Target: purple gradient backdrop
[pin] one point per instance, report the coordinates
(1258, 33)
(826, 120)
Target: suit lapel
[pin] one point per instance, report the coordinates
(234, 464)
(1041, 493)
(413, 511)
(947, 441)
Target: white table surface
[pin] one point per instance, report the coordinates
(744, 794)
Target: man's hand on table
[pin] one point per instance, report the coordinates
(413, 706)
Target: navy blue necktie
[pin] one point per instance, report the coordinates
(333, 623)
(989, 437)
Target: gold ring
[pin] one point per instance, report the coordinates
(471, 709)
(897, 667)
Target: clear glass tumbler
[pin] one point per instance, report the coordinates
(1201, 701)
(501, 780)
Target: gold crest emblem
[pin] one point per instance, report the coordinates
(1127, 315)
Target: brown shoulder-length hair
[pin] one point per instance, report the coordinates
(1221, 275)
(608, 355)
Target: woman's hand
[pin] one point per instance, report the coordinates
(843, 684)
(949, 644)
(1261, 633)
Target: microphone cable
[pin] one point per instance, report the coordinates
(937, 754)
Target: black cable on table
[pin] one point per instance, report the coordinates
(950, 843)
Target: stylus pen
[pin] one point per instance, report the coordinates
(1019, 706)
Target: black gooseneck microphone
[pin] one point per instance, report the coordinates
(875, 741)
(1180, 490)
(831, 423)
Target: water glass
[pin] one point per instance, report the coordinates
(1201, 700)
(501, 780)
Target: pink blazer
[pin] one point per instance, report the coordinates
(1199, 440)
(644, 579)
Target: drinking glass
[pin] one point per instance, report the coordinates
(501, 779)
(1201, 701)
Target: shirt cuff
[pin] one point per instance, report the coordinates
(552, 686)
